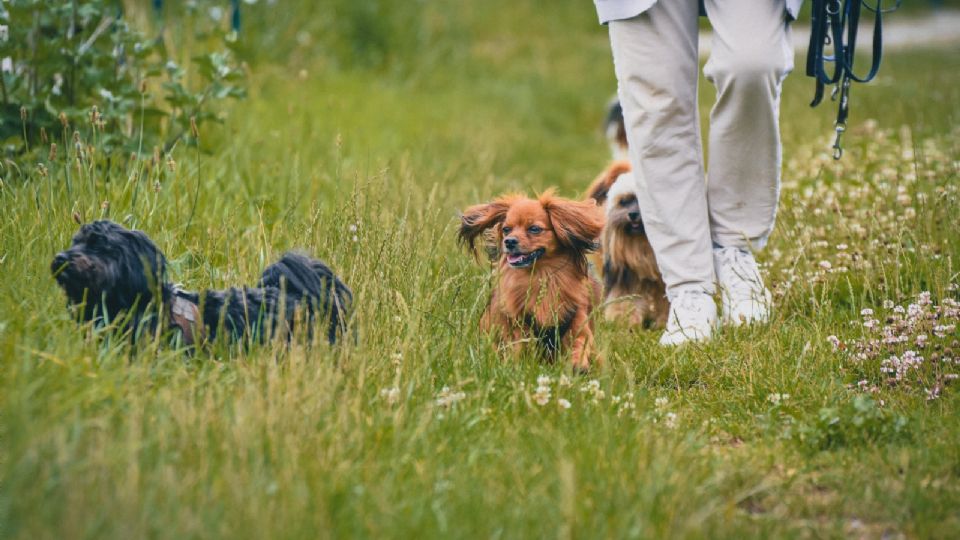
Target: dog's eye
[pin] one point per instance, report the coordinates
(506, 230)
(534, 229)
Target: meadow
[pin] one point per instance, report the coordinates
(837, 419)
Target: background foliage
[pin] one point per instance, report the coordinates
(363, 158)
(79, 65)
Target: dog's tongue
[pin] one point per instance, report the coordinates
(514, 258)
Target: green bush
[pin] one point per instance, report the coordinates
(79, 65)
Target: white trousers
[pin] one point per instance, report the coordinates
(656, 61)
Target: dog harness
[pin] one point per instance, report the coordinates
(185, 315)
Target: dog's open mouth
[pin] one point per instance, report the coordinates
(635, 228)
(523, 260)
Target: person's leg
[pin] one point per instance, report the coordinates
(656, 62)
(750, 57)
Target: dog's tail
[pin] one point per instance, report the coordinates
(313, 283)
(615, 130)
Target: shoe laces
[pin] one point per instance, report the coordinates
(742, 265)
(687, 301)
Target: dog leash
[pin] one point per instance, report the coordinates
(836, 22)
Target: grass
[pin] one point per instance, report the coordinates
(103, 441)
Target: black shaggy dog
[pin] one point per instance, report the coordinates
(115, 274)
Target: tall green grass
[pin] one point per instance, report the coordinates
(366, 168)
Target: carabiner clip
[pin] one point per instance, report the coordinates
(837, 147)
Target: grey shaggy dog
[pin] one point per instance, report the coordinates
(112, 274)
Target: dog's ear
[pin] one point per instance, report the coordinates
(600, 187)
(576, 224)
(149, 254)
(479, 218)
(491, 242)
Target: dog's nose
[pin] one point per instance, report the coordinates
(510, 242)
(59, 261)
(634, 216)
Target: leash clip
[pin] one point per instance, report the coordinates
(841, 125)
(837, 146)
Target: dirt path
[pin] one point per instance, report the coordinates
(938, 29)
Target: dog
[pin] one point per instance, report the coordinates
(112, 274)
(632, 284)
(543, 292)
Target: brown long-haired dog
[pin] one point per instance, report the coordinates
(543, 292)
(632, 284)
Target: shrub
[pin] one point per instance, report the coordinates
(70, 65)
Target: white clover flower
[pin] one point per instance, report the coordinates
(565, 381)
(591, 386)
(890, 365)
(563, 404)
(592, 389)
(390, 395)
(912, 358)
(941, 330)
(670, 420)
(835, 341)
(866, 312)
(661, 402)
(888, 304)
(447, 398)
(825, 265)
(544, 380)
(777, 399)
(542, 395)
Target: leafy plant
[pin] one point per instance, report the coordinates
(71, 65)
(856, 422)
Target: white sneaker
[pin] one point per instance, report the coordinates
(742, 293)
(693, 314)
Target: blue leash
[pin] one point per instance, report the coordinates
(836, 22)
